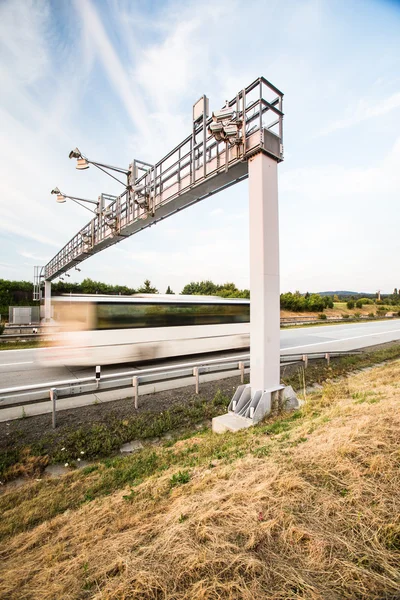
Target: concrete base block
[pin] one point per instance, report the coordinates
(230, 422)
(247, 409)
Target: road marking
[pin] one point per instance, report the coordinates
(26, 362)
(357, 337)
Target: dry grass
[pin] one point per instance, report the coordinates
(311, 512)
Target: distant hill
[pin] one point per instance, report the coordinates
(347, 293)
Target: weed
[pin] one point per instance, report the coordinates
(179, 478)
(262, 451)
(220, 399)
(131, 496)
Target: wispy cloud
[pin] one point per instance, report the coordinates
(111, 62)
(364, 111)
(33, 256)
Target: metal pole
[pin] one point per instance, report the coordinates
(135, 384)
(53, 398)
(241, 367)
(264, 273)
(196, 376)
(47, 301)
(98, 375)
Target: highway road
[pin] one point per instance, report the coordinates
(19, 367)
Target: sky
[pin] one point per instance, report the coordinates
(118, 79)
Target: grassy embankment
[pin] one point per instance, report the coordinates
(305, 505)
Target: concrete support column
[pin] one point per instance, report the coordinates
(47, 301)
(264, 274)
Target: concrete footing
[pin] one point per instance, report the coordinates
(249, 407)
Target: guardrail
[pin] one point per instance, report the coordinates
(133, 379)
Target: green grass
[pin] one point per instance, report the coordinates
(11, 345)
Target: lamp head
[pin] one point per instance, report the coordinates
(82, 164)
(225, 114)
(230, 131)
(216, 130)
(76, 153)
(60, 198)
(55, 191)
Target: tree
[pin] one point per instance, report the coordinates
(147, 288)
(201, 288)
(169, 291)
(350, 304)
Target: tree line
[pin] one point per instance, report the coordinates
(19, 293)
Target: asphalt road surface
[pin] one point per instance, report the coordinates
(19, 367)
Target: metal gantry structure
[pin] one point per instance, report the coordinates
(244, 138)
(201, 165)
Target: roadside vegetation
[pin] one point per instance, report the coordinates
(23, 453)
(304, 505)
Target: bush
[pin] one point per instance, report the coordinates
(322, 316)
(357, 315)
(345, 316)
(371, 315)
(359, 304)
(350, 304)
(1, 328)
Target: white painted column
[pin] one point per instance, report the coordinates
(47, 301)
(264, 274)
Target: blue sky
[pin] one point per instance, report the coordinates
(118, 79)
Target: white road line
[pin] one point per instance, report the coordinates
(25, 362)
(342, 340)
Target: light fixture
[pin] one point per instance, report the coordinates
(107, 212)
(76, 153)
(230, 130)
(110, 221)
(85, 238)
(142, 203)
(225, 114)
(77, 269)
(82, 164)
(61, 197)
(216, 129)
(140, 189)
(67, 275)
